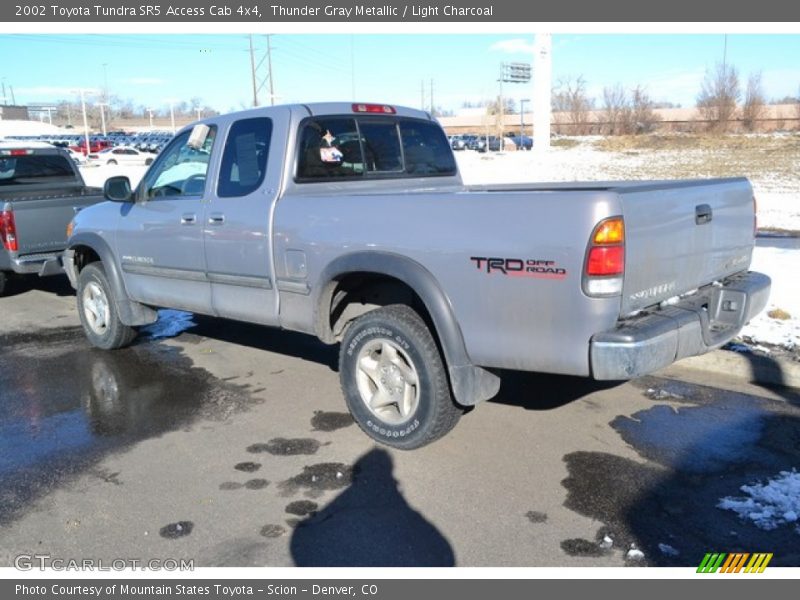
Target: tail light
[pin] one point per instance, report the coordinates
(605, 259)
(8, 231)
(374, 108)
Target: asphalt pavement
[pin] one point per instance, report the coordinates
(229, 444)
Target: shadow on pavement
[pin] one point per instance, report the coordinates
(58, 285)
(538, 391)
(370, 524)
(699, 445)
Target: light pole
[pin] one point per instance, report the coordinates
(105, 82)
(541, 92)
(522, 120)
(150, 112)
(103, 116)
(199, 113)
(172, 115)
(85, 121)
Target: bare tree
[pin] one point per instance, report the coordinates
(616, 110)
(754, 101)
(718, 96)
(570, 97)
(643, 117)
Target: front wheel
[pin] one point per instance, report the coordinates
(98, 310)
(394, 379)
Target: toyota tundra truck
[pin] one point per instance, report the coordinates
(41, 189)
(350, 222)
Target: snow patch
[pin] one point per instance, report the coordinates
(768, 505)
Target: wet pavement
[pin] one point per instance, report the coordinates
(229, 444)
(66, 405)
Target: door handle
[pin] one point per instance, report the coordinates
(216, 219)
(702, 214)
(188, 219)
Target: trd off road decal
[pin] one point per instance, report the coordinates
(518, 267)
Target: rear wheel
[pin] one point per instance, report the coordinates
(111, 162)
(98, 311)
(394, 379)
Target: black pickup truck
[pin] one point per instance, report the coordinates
(41, 190)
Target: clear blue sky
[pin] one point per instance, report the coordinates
(150, 70)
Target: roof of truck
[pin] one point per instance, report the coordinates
(7, 144)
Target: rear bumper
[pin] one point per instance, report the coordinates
(36, 264)
(695, 325)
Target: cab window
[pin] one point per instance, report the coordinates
(244, 159)
(181, 168)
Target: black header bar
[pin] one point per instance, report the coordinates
(437, 11)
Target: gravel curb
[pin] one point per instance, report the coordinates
(749, 367)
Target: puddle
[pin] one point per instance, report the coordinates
(174, 531)
(247, 467)
(316, 479)
(273, 531)
(64, 405)
(256, 484)
(534, 516)
(331, 421)
(301, 508)
(286, 447)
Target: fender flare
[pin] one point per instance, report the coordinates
(470, 384)
(130, 312)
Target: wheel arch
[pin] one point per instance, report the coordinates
(470, 384)
(86, 248)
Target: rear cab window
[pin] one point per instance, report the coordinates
(35, 169)
(346, 147)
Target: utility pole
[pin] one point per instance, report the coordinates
(422, 94)
(5, 99)
(172, 115)
(253, 72)
(105, 82)
(269, 66)
(522, 120)
(150, 112)
(199, 113)
(432, 105)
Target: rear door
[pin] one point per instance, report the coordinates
(680, 236)
(238, 219)
(160, 236)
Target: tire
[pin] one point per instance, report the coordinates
(98, 311)
(111, 162)
(3, 282)
(389, 359)
(148, 162)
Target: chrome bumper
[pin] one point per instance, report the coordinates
(695, 325)
(43, 265)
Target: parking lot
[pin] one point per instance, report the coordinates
(228, 444)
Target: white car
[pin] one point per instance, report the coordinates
(121, 155)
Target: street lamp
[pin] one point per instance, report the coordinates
(83, 92)
(150, 112)
(103, 116)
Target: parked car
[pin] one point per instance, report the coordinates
(522, 142)
(121, 155)
(491, 143)
(603, 280)
(41, 190)
(457, 142)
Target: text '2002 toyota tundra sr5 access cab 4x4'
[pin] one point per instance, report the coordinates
(351, 223)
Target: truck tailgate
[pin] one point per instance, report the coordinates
(680, 236)
(41, 221)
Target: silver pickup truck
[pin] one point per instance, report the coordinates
(350, 222)
(41, 189)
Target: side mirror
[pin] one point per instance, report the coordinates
(118, 189)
